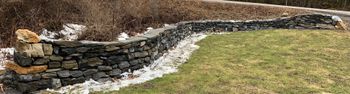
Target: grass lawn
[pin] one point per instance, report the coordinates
(270, 61)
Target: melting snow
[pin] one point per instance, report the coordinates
(166, 64)
(70, 32)
(123, 36)
(5, 55)
(336, 18)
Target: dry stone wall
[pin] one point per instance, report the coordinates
(71, 62)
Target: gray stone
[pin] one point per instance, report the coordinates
(124, 64)
(71, 81)
(42, 61)
(104, 79)
(49, 75)
(131, 49)
(56, 50)
(115, 72)
(76, 74)
(234, 29)
(63, 74)
(135, 62)
(141, 54)
(33, 86)
(104, 68)
(118, 58)
(53, 70)
(115, 66)
(142, 43)
(111, 48)
(89, 72)
(68, 51)
(56, 83)
(82, 49)
(68, 43)
(48, 50)
(56, 58)
(22, 60)
(92, 62)
(29, 77)
(54, 65)
(72, 64)
(99, 75)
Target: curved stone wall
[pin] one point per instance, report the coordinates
(71, 62)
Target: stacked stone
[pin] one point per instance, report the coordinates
(71, 62)
(314, 21)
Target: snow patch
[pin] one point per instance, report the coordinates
(166, 64)
(6, 54)
(70, 32)
(337, 19)
(123, 36)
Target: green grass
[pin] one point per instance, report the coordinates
(271, 61)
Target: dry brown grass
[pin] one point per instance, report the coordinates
(105, 19)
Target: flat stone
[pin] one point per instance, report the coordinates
(124, 64)
(136, 67)
(49, 75)
(72, 64)
(99, 75)
(141, 54)
(111, 48)
(76, 74)
(42, 61)
(104, 68)
(115, 59)
(21, 60)
(104, 79)
(56, 58)
(82, 49)
(53, 70)
(54, 65)
(68, 51)
(92, 61)
(115, 72)
(72, 81)
(135, 62)
(29, 77)
(33, 86)
(63, 74)
(48, 50)
(68, 43)
(89, 72)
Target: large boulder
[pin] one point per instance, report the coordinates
(27, 36)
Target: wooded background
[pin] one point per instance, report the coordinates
(325, 4)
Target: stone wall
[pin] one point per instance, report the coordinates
(71, 62)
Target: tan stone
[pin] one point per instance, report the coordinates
(30, 50)
(27, 36)
(37, 50)
(25, 70)
(341, 25)
(48, 50)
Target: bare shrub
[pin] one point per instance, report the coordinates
(34, 15)
(106, 19)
